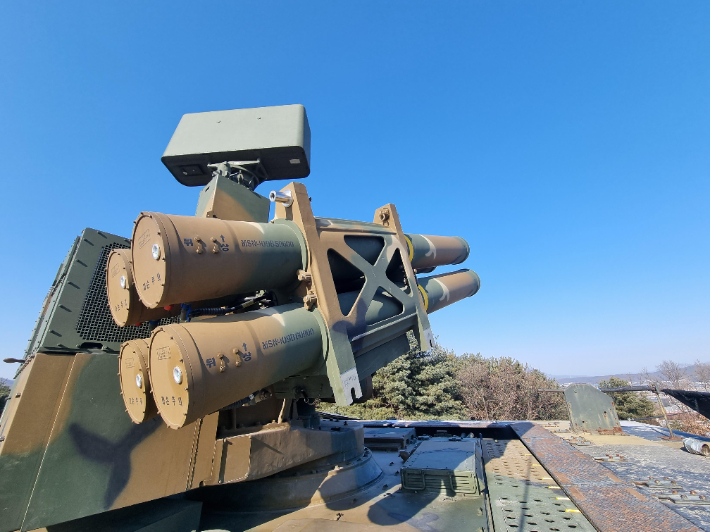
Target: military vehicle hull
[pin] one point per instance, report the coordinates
(170, 381)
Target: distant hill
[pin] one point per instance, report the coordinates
(636, 378)
(633, 377)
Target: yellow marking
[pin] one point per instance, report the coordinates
(425, 297)
(554, 487)
(545, 478)
(572, 511)
(562, 498)
(410, 247)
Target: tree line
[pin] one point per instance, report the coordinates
(437, 384)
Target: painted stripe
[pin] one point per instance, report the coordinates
(410, 247)
(424, 296)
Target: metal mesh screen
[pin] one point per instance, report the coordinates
(95, 322)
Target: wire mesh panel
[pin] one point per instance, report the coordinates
(75, 315)
(95, 323)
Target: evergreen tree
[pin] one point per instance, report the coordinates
(629, 405)
(417, 385)
(4, 393)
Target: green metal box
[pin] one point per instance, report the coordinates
(278, 136)
(443, 466)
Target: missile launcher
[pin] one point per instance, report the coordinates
(353, 281)
(172, 378)
(126, 308)
(134, 373)
(342, 293)
(225, 327)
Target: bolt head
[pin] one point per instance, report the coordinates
(177, 375)
(155, 250)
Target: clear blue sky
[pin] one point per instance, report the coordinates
(568, 142)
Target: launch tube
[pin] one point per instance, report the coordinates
(180, 259)
(425, 251)
(199, 367)
(439, 291)
(134, 374)
(126, 307)
(429, 251)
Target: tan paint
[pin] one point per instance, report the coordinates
(280, 446)
(126, 307)
(207, 258)
(202, 470)
(236, 465)
(160, 465)
(134, 369)
(11, 422)
(281, 449)
(29, 417)
(198, 368)
(216, 471)
(80, 360)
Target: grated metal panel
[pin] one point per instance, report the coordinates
(606, 500)
(95, 322)
(75, 316)
(523, 497)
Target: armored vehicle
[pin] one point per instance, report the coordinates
(171, 379)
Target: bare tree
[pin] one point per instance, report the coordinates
(672, 372)
(503, 388)
(701, 370)
(645, 377)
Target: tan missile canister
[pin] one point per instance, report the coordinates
(181, 259)
(126, 307)
(439, 291)
(429, 251)
(134, 373)
(199, 367)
